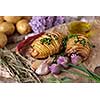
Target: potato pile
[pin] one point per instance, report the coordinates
(10, 24)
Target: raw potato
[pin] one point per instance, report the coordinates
(27, 17)
(1, 19)
(3, 40)
(7, 28)
(23, 26)
(12, 19)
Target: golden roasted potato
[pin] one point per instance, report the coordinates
(7, 28)
(1, 19)
(46, 45)
(27, 17)
(78, 44)
(12, 19)
(3, 40)
(23, 26)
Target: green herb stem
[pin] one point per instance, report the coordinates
(82, 68)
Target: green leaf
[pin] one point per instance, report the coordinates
(53, 79)
(65, 80)
(76, 73)
(91, 75)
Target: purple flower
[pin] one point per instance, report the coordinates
(55, 68)
(60, 20)
(49, 21)
(63, 61)
(38, 23)
(41, 23)
(75, 59)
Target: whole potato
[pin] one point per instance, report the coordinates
(3, 40)
(1, 19)
(7, 28)
(12, 19)
(27, 17)
(23, 26)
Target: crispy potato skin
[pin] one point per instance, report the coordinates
(44, 50)
(78, 48)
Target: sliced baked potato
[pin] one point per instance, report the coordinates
(46, 45)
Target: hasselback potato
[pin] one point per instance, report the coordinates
(78, 44)
(46, 45)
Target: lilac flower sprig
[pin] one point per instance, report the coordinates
(63, 61)
(41, 23)
(55, 68)
(75, 59)
(61, 64)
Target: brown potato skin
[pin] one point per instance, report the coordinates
(12, 19)
(7, 28)
(3, 40)
(1, 19)
(23, 26)
(27, 17)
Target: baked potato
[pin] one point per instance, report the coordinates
(46, 45)
(12, 19)
(78, 44)
(7, 28)
(23, 26)
(3, 40)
